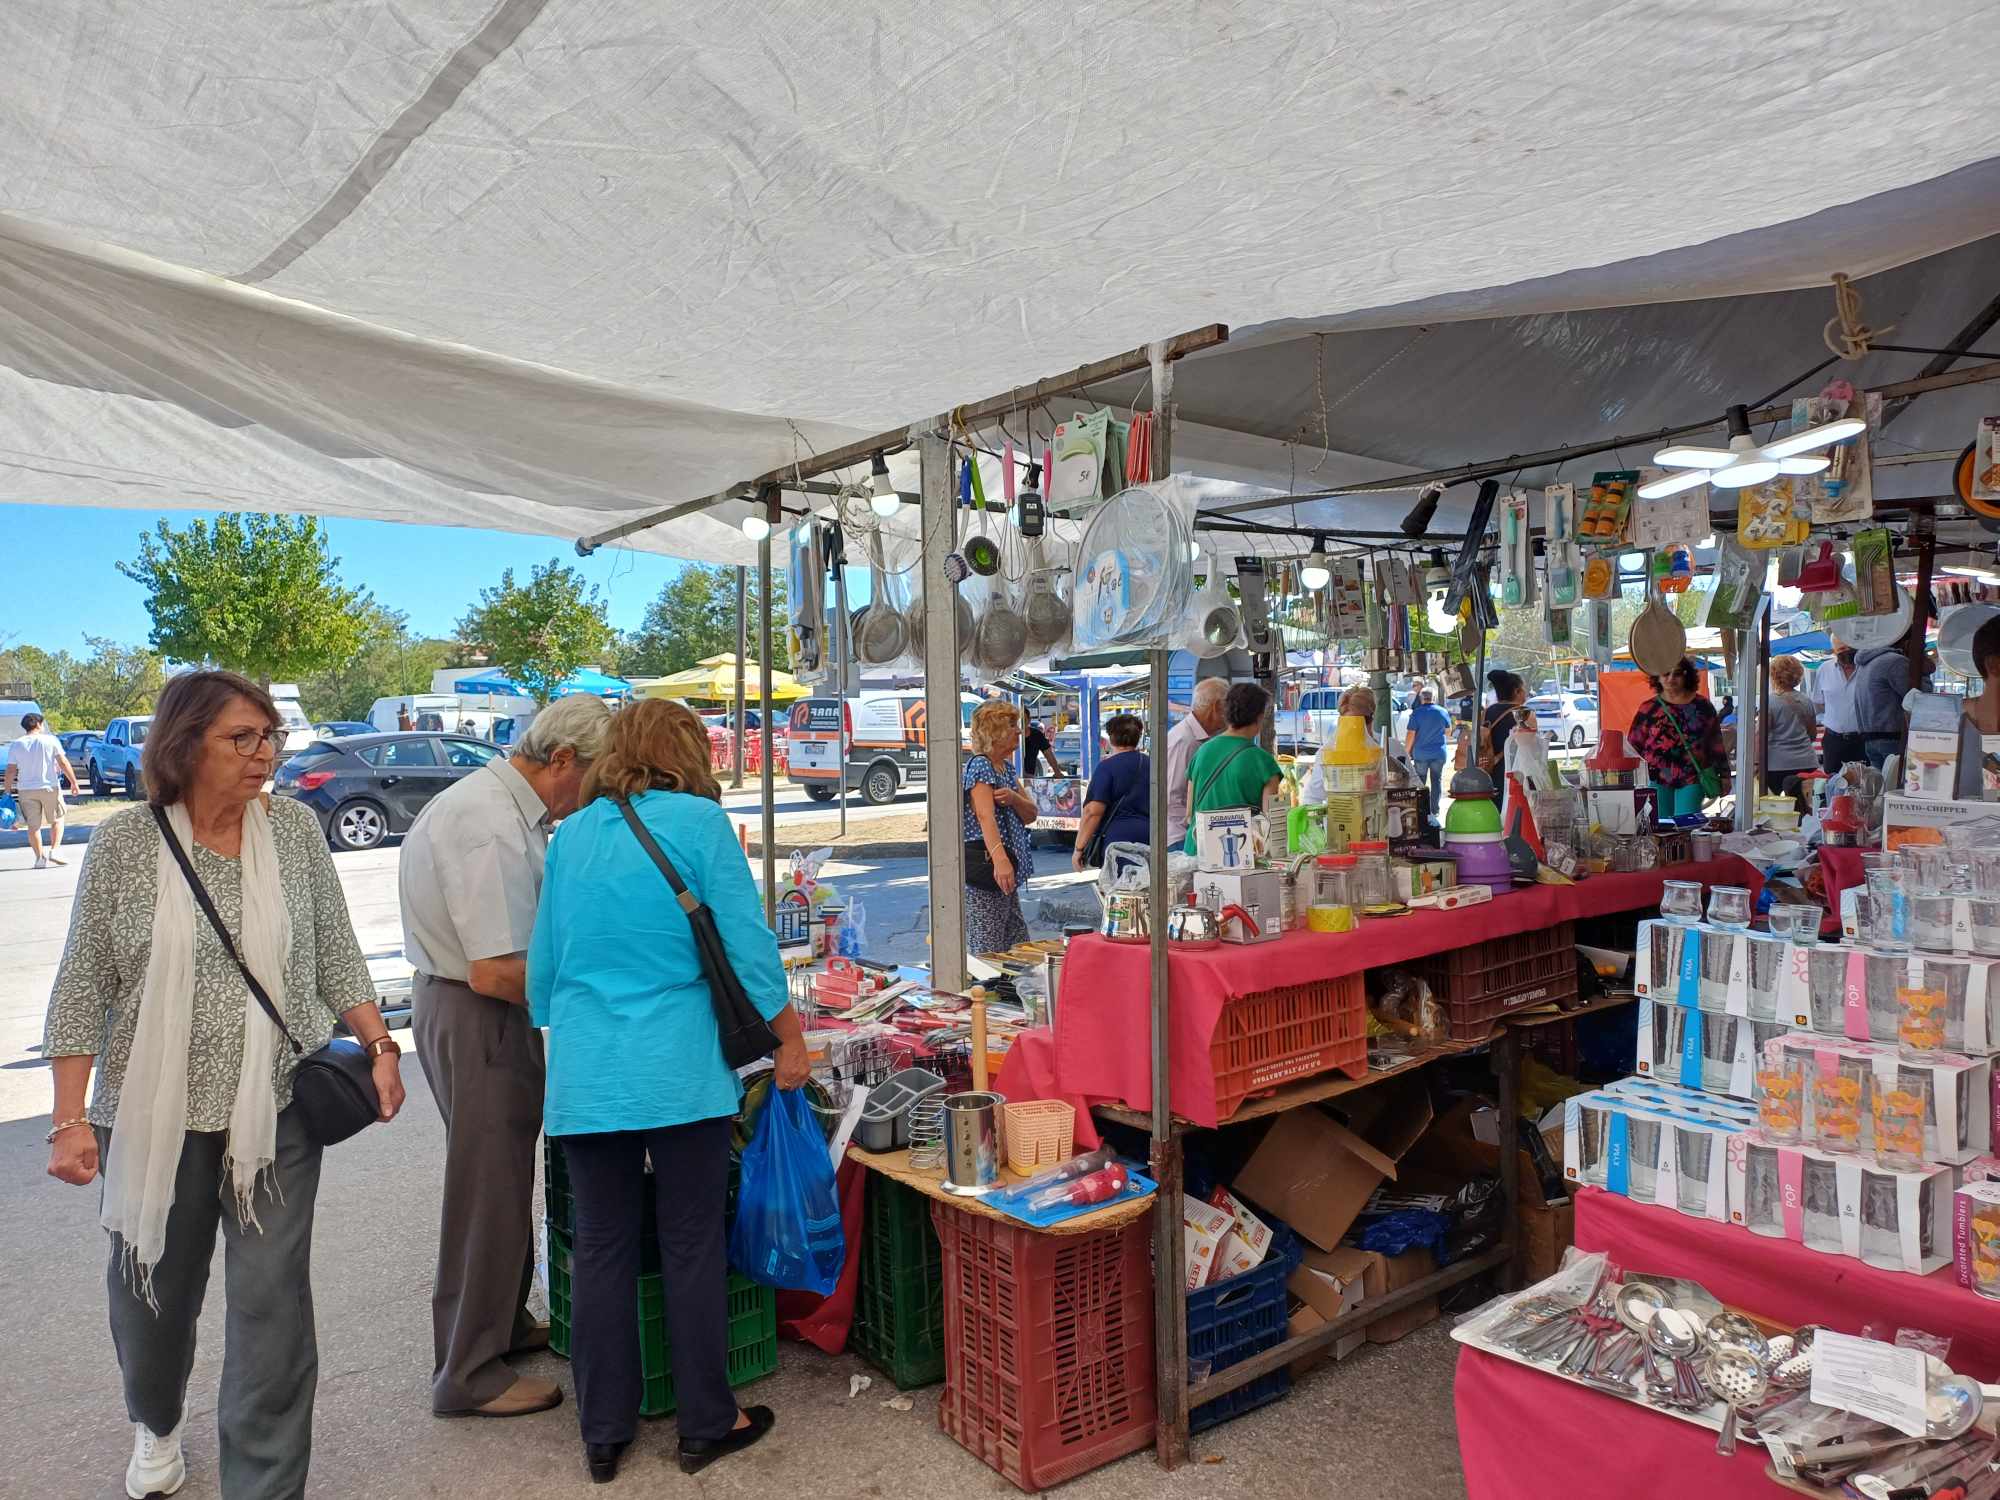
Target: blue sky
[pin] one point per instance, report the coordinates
(62, 580)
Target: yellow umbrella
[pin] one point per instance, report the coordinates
(715, 680)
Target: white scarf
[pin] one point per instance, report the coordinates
(151, 1122)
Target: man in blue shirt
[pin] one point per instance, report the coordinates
(1429, 725)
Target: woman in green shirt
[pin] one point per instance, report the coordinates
(1232, 769)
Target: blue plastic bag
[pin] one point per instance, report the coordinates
(788, 1231)
(9, 813)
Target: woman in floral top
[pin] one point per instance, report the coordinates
(1679, 735)
(997, 812)
(190, 1126)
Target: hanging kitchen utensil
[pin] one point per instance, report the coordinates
(882, 634)
(1956, 628)
(981, 552)
(1047, 606)
(1559, 529)
(1517, 554)
(806, 591)
(1215, 627)
(1475, 538)
(1658, 640)
(1821, 574)
(1866, 632)
(1000, 638)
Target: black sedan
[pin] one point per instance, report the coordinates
(366, 787)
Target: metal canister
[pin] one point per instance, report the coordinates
(1052, 967)
(972, 1148)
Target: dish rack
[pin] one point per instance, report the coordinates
(851, 1060)
(927, 1132)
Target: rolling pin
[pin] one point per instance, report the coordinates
(979, 1038)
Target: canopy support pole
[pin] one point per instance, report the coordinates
(768, 782)
(742, 657)
(843, 653)
(944, 806)
(1750, 669)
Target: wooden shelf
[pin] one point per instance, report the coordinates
(1529, 1020)
(896, 1164)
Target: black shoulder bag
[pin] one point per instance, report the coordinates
(333, 1088)
(746, 1036)
(1100, 838)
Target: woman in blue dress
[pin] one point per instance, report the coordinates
(997, 814)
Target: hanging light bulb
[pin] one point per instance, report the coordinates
(756, 527)
(1438, 575)
(1314, 574)
(883, 499)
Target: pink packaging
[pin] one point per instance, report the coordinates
(1981, 1199)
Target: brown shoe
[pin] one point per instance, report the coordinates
(524, 1397)
(534, 1341)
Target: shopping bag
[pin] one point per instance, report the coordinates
(788, 1231)
(10, 813)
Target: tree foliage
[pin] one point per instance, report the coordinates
(541, 631)
(86, 692)
(694, 616)
(258, 594)
(389, 662)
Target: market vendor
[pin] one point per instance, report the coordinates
(1356, 702)
(1232, 769)
(1115, 804)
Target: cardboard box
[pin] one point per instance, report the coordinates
(1315, 1174)
(1395, 1273)
(1204, 1229)
(1224, 840)
(1546, 1230)
(1975, 1209)
(1698, 1049)
(1329, 1284)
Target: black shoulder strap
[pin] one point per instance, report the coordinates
(215, 920)
(688, 900)
(1202, 790)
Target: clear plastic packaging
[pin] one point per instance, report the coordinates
(1070, 1171)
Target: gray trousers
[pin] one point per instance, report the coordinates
(483, 1060)
(270, 1360)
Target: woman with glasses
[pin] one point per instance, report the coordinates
(190, 1126)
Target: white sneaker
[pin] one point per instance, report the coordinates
(157, 1467)
(41, 863)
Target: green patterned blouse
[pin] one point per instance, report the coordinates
(94, 1009)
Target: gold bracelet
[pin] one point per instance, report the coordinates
(50, 1138)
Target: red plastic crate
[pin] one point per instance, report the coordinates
(1048, 1345)
(1275, 1036)
(1479, 984)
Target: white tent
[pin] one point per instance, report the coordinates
(547, 265)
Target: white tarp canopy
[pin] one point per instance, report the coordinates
(546, 265)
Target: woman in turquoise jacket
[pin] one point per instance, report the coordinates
(635, 1070)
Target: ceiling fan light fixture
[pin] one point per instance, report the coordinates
(1695, 458)
(1809, 463)
(1745, 472)
(1672, 484)
(1823, 436)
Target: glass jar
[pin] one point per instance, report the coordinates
(1729, 906)
(1372, 883)
(1680, 901)
(1332, 908)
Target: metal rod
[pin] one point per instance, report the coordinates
(843, 653)
(1924, 530)
(1491, 468)
(1955, 350)
(742, 666)
(1506, 1062)
(768, 781)
(943, 800)
(1169, 1286)
(1749, 673)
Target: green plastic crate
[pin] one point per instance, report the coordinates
(752, 1338)
(560, 1203)
(899, 1305)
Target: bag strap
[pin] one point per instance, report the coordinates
(1202, 790)
(1680, 734)
(215, 920)
(690, 903)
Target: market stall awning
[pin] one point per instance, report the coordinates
(585, 681)
(714, 679)
(548, 266)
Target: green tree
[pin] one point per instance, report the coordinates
(541, 631)
(694, 616)
(258, 594)
(388, 663)
(85, 692)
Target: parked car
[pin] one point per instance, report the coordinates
(365, 787)
(1566, 719)
(114, 759)
(77, 745)
(333, 729)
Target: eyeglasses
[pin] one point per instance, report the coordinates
(249, 741)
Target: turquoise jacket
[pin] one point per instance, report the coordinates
(613, 973)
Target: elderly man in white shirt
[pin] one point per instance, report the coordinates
(1833, 700)
(471, 878)
(1182, 741)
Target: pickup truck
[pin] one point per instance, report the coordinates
(1311, 724)
(114, 759)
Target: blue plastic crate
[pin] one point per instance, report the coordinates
(1234, 1319)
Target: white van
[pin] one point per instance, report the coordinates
(292, 714)
(431, 711)
(11, 710)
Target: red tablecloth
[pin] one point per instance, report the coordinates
(1525, 1435)
(1839, 870)
(1103, 1015)
(1784, 1281)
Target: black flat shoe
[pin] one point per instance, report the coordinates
(698, 1453)
(603, 1460)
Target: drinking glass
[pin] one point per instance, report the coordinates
(1782, 918)
(1881, 1234)
(1884, 974)
(1984, 1230)
(1985, 927)
(1718, 957)
(1680, 901)
(1781, 1093)
(1642, 1135)
(1806, 925)
(1922, 1020)
(1950, 978)
(1888, 901)
(1930, 867)
(1729, 906)
(1985, 863)
(1595, 1143)
(1930, 922)
(1765, 963)
(1826, 982)
(1718, 1052)
(1669, 1037)
(1839, 1104)
(1694, 1155)
(1899, 1110)
(1667, 939)
(1821, 1188)
(1763, 1209)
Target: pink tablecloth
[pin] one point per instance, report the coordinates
(1101, 1047)
(1524, 1435)
(1788, 1283)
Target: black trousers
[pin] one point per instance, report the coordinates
(1837, 749)
(691, 1174)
